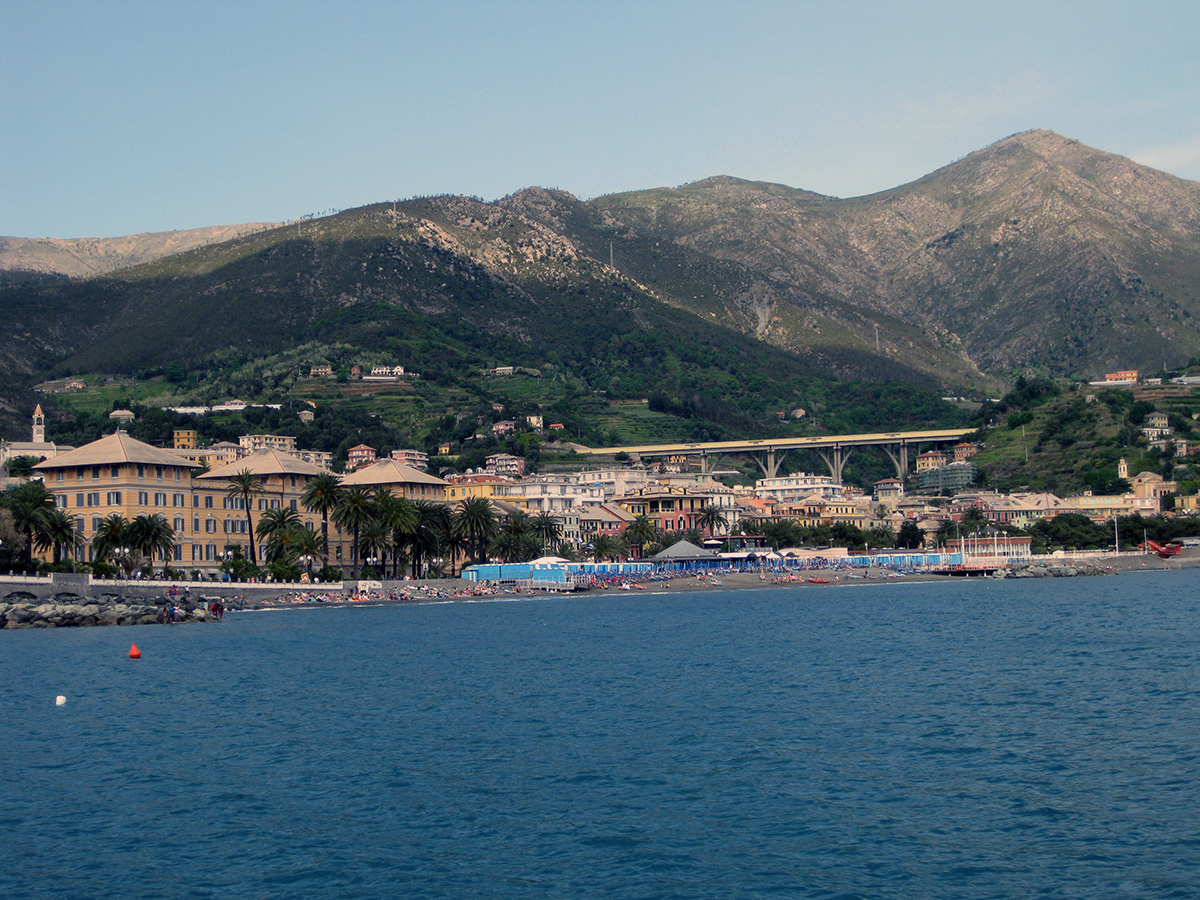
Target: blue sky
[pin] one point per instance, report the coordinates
(122, 117)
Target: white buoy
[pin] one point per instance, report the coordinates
(60, 700)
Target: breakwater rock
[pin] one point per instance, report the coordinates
(71, 611)
(1057, 569)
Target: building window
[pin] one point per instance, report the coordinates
(141, 471)
(95, 473)
(116, 471)
(114, 498)
(58, 476)
(180, 524)
(143, 498)
(196, 525)
(78, 500)
(158, 472)
(208, 503)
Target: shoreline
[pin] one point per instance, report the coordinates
(427, 591)
(110, 609)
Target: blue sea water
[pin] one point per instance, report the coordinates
(974, 739)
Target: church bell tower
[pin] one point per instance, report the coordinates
(39, 425)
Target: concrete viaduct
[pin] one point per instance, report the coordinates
(770, 452)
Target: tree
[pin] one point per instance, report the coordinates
(376, 541)
(910, 536)
(428, 539)
(277, 529)
(30, 505)
(607, 547)
(152, 534)
(400, 516)
(475, 520)
(356, 507)
(243, 488)
(710, 518)
(322, 495)
(640, 532)
(56, 531)
(308, 546)
(548, 530)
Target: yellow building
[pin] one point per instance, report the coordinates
(220, 520)
(465, 487)
(401, 480)
(118, 474)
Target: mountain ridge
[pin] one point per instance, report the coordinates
(1036, 252)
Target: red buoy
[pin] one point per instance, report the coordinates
(134, 652)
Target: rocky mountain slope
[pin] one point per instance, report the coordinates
(1034, 252)
(81, 257)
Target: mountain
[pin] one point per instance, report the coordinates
(1035, 251)
(82, 257)
(724, 298)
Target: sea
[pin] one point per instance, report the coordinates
(971, 739)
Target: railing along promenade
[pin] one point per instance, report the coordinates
(770, 452)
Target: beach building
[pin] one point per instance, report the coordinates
(551, 493)
(670, 509)
(401, 480)
(466, 487)
(120, 475)
(220, 520)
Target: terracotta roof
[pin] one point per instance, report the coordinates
(390, 471)
(264, 462)
(112, 449)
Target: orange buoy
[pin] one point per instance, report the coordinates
(134, 652)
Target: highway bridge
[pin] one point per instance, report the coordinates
(770, 452)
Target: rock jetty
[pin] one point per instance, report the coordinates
(1057, 570)
(71, 611)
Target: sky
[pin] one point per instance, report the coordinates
(125, 117)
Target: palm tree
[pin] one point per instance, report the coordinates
(111, 537)
(640, 532)
(606, 547)
(356, 507)
(401, 517)
(376, 539)
(548, 529)
(321, 495)
(244, 487)
(429, 538)
(710, 517)
(151, 534)
(475, 520)
(504, 547)
(308, 546)
(276, 527)
(30, 504)
(56, 531)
